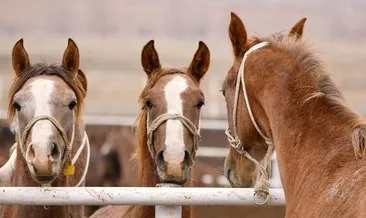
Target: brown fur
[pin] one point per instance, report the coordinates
(315, 133)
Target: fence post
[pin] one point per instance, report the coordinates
(164, 211)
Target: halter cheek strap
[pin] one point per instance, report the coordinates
(261, 187)
(188, 124)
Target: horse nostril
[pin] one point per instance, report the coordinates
(55, 152)
(160, 162)
(30, 154)
(227, 173)
(187, 161)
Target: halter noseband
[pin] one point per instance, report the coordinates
(188, 124)
(262, 184)
(22, 139)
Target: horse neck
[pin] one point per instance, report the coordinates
(147, 171)
(308, 135)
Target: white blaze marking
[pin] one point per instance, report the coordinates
(174, 138)
(41, 90)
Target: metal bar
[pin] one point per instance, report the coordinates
(205, 151)
(163, 211)
(168, 211)
(132, 196)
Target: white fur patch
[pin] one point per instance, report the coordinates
(7, 170)
(41, 90)
(174, 138)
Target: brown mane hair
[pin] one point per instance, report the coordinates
(142, 151)
(327, 90)
(76, 84)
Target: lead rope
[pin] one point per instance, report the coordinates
(77, 155)
(261, 187)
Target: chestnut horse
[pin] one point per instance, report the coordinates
(319, 140)
(239, 170)
(168, 125)
(45, 104)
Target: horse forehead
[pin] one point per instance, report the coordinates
(42, 83)
(46, 85)
(176, 84)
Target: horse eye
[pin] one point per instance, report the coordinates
(222, 92)
(200, 104)
(148, 103)
(72, 104)
(17, 106)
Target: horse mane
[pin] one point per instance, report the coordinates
(327, 90)
(76, 84)
(142, 151)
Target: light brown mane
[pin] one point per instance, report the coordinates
(142, 151)
(76, 84)
(327, 90)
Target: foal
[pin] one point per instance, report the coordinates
(239, 170)
(319, 140)
(45, 105)
(168, 125)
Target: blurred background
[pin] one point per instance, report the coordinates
(110, 35)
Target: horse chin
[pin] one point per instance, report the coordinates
(43, 180)
(239, 183)
(180, 180)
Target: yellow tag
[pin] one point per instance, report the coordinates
(69, 170)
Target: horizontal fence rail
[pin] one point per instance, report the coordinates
(133, 196)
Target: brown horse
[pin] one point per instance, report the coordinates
(239, 170)
(45, 105)
(319, 140)
(168, 125)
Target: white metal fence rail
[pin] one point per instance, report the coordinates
(167, 200)
(133, 196)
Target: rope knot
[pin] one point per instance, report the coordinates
(188, 124)
(175, 116)
(235, 142)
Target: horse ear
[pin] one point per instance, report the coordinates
(150, 58)
(238, 35)
(298, 29)
(200, 62)
(82, 78)
(20, 58)
(71, 59)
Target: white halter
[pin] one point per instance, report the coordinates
(262, 183)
